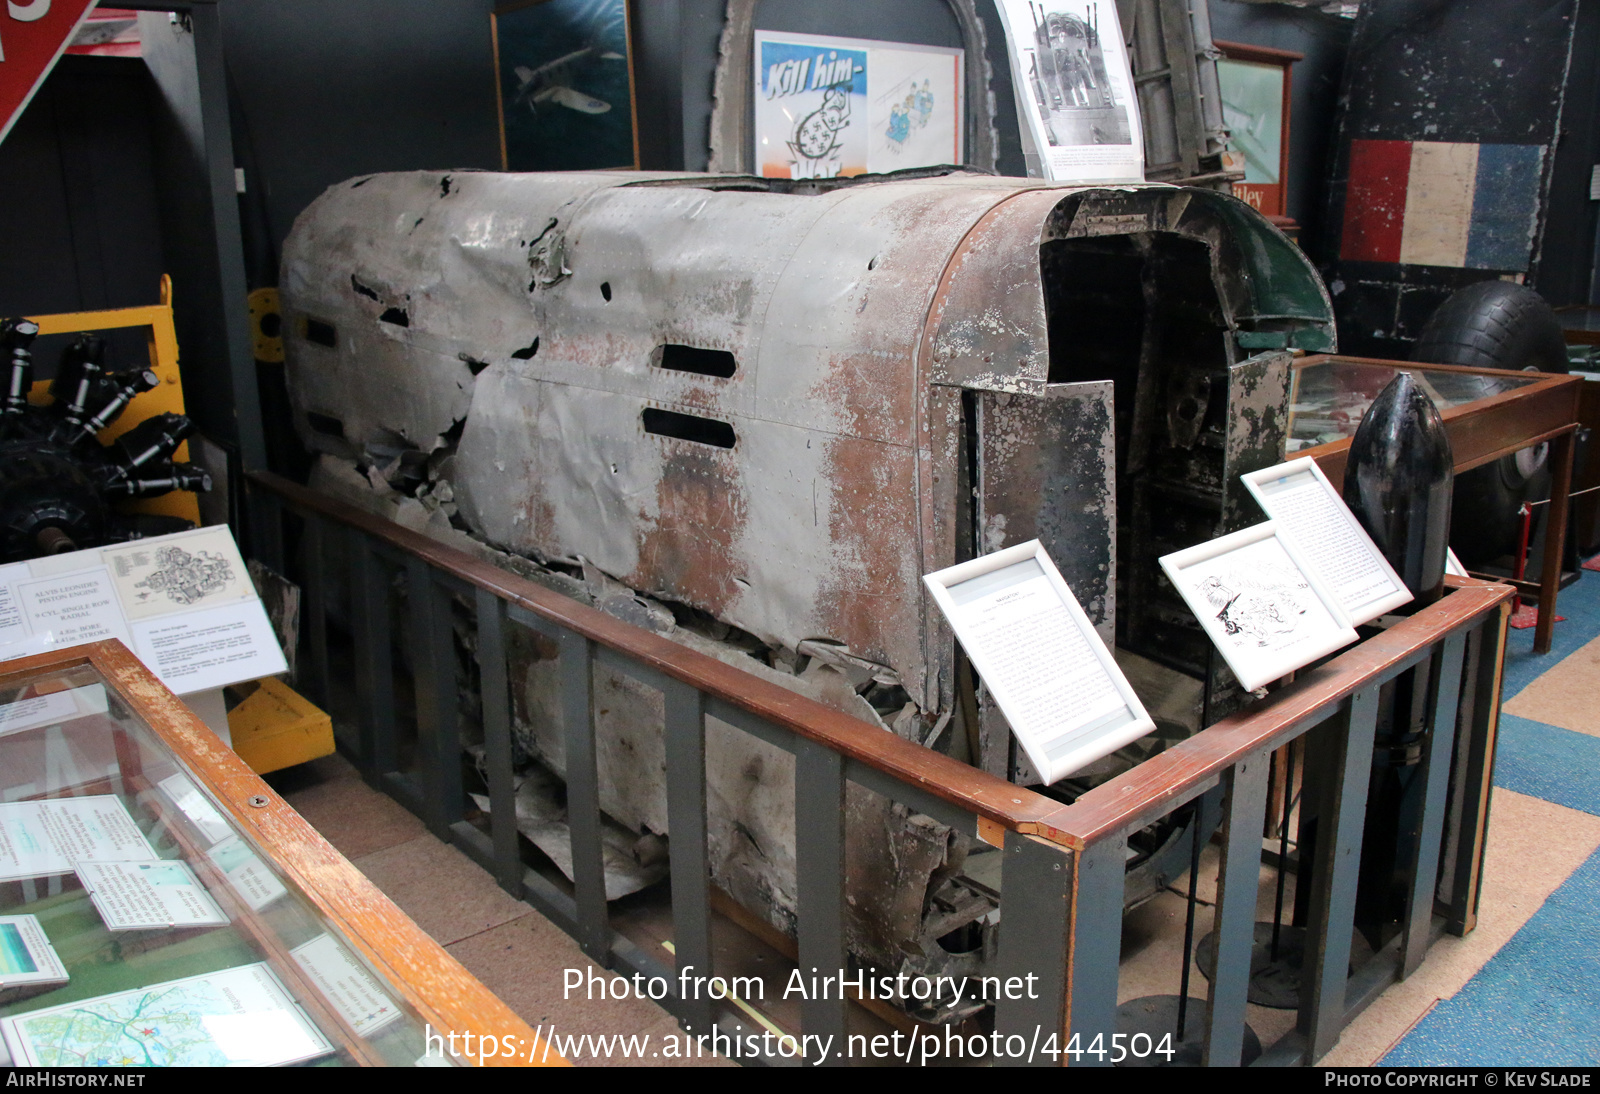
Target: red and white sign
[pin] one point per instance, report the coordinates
(33, 35)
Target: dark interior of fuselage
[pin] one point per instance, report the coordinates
(1142, 310)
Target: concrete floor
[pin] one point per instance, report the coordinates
(1522, 988)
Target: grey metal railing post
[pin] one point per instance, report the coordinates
(1346, 757)
(313, 676)
(819, 797)
(1438, 747)
(1480, 722)
(1238, 879)
(1036, 942)
(374, 659)
(691, 871)
(1096, 942)
(433, 673)
(496, 692)
(583, 796)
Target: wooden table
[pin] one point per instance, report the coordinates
(1521, 409)
(139, 746)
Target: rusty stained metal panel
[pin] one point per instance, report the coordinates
(535, 308)
(946, 505)
(1121, 212)
(527, 314)
(987, 328)
(1258, 399)
(822, 313)
(1047, 471)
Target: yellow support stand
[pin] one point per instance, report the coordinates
(275, 727)
(166, 397)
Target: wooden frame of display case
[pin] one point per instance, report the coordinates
(444, 995)
(1486, 429)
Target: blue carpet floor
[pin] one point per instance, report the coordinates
(1537, 1001)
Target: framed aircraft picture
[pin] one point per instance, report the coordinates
(564, 83)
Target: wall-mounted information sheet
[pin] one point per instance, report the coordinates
(1040, 657)
(183, 603)
(1298, 498)
(1077, 107)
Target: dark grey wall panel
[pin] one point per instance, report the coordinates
(1564, 273)
(658, 84)
(675, 59)
(702, 33)
(78, 202)
(77, 193)
(923, 22)
(329, 90)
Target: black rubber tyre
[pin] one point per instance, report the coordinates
(1494, 324)
(1501, 325)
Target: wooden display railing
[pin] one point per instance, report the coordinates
(1063, 870)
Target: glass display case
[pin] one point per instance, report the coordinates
(1487, 413)
(161, 906)
(1328, 396)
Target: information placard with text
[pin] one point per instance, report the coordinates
(1049, 671)
(182, 603)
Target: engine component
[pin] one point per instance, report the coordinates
(58, 482)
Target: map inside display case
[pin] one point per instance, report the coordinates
(143, 924)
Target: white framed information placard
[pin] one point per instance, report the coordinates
(1051, 675)
(183, 603)
(1260, 603)
(1308, 511)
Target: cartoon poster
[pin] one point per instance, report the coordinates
(830, 107)
(1075, 102)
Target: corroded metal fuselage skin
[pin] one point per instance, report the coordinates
(775, 411)
(525, 315)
